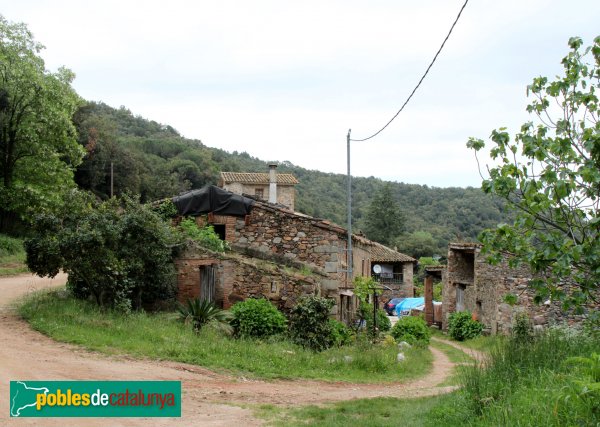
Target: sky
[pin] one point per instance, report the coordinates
(285, 81)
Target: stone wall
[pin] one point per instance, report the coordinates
(297, 238)
(239, 277)
(408, 288)
(286, 194)
(485, 297)
(307, 243)
(284, 287)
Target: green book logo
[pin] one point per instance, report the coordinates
(95, 399)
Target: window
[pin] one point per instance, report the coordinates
(220, 229)
(259, 193)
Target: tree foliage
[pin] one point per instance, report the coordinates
(309, 323)
(158, 163)
(118, 253)
(550, 174)
(384, 219)
(38, 149)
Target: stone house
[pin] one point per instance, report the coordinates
(277, 188)
(470, 283)
(280, 254)
(392, 271)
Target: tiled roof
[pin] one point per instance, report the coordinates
(257, 178)
(380, 253)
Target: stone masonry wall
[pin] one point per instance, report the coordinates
(408, 288)
(283, 287)
(239, 277)
(485, 298)
(296, 238)
(286, 194)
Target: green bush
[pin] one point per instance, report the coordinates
(340, 333)
(10, 245)
(204, 236)
(365, 312)
(411, 329)
(257, 318)
(309, 323)
(522, 330)
(461, 326)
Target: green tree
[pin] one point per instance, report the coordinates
(118, 251)
(550, 174)
(38, 148)
(418, 244)
(384, 220)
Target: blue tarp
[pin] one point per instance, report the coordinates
(405, 306)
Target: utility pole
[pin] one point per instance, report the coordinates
(349, 252)
(111, 179)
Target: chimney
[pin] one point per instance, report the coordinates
(273, 183)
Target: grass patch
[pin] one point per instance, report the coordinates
(454, 354)
(12, 256)
(483, 343)
(162, 336)
(522, 384)
(530, 383)
(362, 412)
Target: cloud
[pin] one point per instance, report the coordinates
(285, 80)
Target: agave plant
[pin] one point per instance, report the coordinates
(199, 312)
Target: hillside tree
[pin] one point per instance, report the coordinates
(38, 148)
(550, 174)
(384, 220)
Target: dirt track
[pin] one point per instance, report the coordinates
(208, 398)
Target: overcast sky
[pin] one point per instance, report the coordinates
(285, 80)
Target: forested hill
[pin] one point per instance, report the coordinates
(153, 160)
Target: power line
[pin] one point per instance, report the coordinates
(420, 81)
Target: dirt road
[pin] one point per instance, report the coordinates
(208, 398)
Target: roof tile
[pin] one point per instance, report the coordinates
(257, 178)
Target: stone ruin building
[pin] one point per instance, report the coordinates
(472, 284)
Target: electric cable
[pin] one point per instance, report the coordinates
(420, 81)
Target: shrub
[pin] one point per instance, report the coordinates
(199, 312)
(340, 333)
(522, 331)
(204, 236)
(461, 326)
(309, 323)
(257, 318)
(10, 245)
(411, 329)
(365, 312)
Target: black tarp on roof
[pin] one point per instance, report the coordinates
(212, 199)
